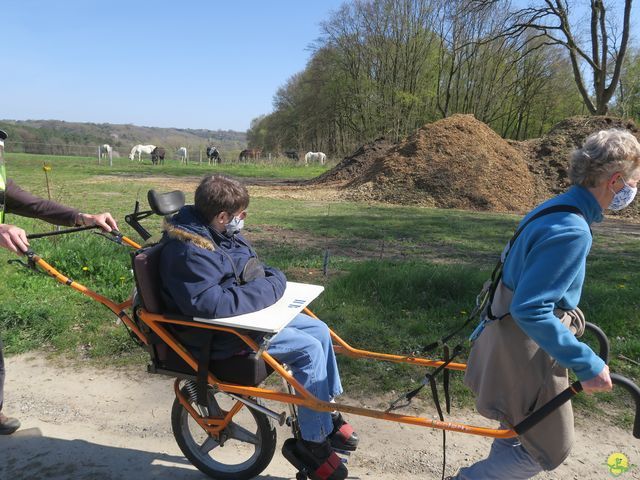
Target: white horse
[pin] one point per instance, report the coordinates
(184, 155)
(313, 157)
(139, 150)
(105, 151)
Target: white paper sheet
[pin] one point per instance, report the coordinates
(274, 318)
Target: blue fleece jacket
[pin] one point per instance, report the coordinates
(545, 268)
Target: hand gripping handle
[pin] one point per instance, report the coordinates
(574, 389)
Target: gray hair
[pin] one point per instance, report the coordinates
(603, 154)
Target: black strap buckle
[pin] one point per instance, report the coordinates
(30, 264)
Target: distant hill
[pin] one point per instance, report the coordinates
(71, 138)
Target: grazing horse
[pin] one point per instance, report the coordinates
(292, 154)
(250, 153)
(157, 155)
(105, 151)
(314, 157)
(184, 155)
(139, 150)
(213, 155)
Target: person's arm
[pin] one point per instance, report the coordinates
(21, 202)
(551, 268)
(25, 204)
(192, 277)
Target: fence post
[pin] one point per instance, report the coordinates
(99, 154)
(200, 156)
(111, 157)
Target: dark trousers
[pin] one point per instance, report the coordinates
(1, 375)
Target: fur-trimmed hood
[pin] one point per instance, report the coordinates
(188, 226)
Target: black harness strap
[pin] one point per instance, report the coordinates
(445, 381)
(436, 400)
(407, 397)
(496, 276)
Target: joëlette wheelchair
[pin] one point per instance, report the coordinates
(218, 417)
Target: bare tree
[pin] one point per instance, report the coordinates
(602, 54)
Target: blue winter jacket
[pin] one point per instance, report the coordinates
(201, 274)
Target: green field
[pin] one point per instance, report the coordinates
(398, 277)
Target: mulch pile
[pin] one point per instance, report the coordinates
(548, 157)
(451, 163)
(351, 166)
(460, 162)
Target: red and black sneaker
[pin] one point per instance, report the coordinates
(317, 460)
(343, 437)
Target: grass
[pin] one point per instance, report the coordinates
(80, 167)
(399, 276)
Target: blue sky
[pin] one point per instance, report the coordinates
(191, 64)
(212, 64)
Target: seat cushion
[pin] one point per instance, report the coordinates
(249, 370)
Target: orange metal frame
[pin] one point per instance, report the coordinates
(214, 425)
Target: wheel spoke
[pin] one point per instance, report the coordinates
(242, 434)
(209, 444)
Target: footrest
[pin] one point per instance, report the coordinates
(309, 466)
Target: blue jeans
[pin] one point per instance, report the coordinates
(507, 460)
(305, 346)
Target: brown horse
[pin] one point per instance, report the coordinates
(250, 154)
(157, 155)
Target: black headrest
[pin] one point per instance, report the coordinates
(165, 203)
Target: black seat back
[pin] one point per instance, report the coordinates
(146, 270)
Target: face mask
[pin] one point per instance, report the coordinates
(623, 198)
(234, 226)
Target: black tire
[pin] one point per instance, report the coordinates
(256, 447)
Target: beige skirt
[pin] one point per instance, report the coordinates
(512, 377)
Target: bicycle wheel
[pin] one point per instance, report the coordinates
(245, 447)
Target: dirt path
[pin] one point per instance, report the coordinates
(84, 423)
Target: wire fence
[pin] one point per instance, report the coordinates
(195, 154)
(65, 149)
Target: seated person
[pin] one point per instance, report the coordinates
(208, 269)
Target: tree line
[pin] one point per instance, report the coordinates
(386, 67)
(54, 137)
